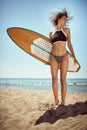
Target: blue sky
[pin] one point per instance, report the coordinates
(34, 15)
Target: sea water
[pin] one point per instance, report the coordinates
(73, 85)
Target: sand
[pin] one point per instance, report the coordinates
(35, 110)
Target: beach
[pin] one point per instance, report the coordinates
(35, 110)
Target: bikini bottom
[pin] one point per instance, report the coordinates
(59, 58)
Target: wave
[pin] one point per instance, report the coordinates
(77, 83)
(40, 84)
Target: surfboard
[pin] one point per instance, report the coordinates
(38, 46)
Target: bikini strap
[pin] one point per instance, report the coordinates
(53, 32)
(63, 31)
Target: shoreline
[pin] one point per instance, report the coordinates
(39, 90)
(73, 85)
(22, 109)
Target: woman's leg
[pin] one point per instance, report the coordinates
(54, 73)
(63, 73)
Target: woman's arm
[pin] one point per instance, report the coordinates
(70, 44)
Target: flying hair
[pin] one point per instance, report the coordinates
(58, 15)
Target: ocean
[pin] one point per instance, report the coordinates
(73, 85)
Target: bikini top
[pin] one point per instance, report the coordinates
(58, 36)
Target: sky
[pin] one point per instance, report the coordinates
(34, 15)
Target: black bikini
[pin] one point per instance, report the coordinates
(59, 36)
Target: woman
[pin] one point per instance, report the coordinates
(59, 56)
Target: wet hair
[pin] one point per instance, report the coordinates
(54, 18)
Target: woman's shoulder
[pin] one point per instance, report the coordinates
(67, 29)
(51, 33)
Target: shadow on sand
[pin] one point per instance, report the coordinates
(62, 112)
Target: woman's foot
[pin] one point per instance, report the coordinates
(56, 102)
(63, 103)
